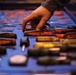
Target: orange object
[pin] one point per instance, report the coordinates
(44, 33)
(59, 35)
(67, 35)
(7, 42)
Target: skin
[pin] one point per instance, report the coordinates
(37, 18)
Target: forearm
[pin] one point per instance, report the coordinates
(53, 5)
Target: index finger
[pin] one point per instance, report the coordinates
(27, 19)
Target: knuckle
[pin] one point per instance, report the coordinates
(34, 14)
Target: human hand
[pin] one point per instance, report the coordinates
(37, 18)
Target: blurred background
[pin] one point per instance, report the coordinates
(73, 1)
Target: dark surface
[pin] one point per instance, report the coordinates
(23, 4)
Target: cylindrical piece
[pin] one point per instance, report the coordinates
(32, 33)
(52, 61)
(38, 33)
(68, 35)
(24, 41)
(7, 42)
(46, 39)
(8, 35)
(68, 41)
(34, 52)
(63, 31)
(71, 56)
(68, 48)
(47, 44)
(18, 60)
(54, 51)
(2, 50)
(37, 52)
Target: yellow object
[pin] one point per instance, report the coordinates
(47, 39)
(47, 44)
(68, 41)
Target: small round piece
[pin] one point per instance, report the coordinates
(18, 60)
(54, 51)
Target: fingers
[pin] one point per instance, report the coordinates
(27, 19)
(35, 22)
(41, 24)
(38, 24)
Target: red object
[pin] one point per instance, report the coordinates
(68, 36)
(7, 42)
(43, 33)
(63, 31)
(71, 36)
(59, 35)
(58, 13)
(46, 33)
(32, 33)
